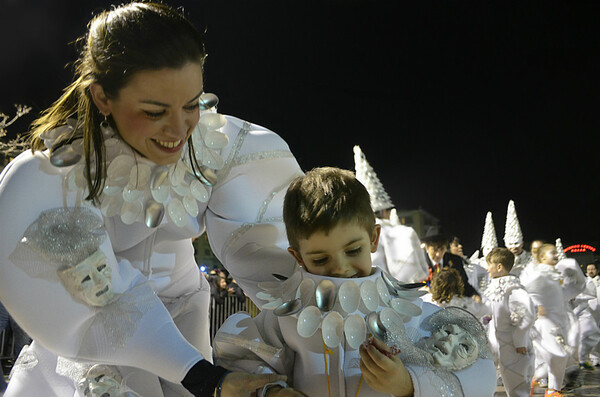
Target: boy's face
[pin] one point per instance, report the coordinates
(495, 269)
(344, 251)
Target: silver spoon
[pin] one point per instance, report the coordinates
(279, 277)
(208, 101)
(64, 156)
(154, 213)
(375, 326)
(394, 286)
(288, 308)
(325, 295)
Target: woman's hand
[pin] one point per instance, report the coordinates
(383, 374)
(242, 384)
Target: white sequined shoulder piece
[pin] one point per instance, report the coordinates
(500, 286)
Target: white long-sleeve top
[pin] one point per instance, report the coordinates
(243, 222)
(513, 312)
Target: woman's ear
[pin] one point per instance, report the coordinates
(375, 238)
(296, 256)
(100, 99)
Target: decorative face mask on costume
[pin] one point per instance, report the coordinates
(452, 347)
(90, 281)
(101, 381)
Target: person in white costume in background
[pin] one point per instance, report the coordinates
(513, 240)
(553, 346)
(96, 221)
(332, 231)
(584, 334)
(399, 251)
(592, 290)
(513, 315)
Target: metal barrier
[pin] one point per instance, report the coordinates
(7, 345)
(231, 305)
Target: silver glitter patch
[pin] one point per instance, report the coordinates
(59, 237)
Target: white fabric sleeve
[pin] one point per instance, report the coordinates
(48, 312)
(244, 220)
(253, 345)
(522, 316)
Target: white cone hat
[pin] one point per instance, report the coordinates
(512, 231)
(560, 250)
(489, 240)
(380, 200)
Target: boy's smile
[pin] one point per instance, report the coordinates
(344, 251)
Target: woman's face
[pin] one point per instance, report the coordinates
(157, 111)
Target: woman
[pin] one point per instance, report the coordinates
(96, 221)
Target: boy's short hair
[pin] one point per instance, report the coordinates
(323, 198)
(446, 284)
(502, 256)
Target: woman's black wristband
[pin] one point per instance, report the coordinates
(203, 378)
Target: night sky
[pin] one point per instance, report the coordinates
(458, 106)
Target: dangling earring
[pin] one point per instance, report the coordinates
(105, 128)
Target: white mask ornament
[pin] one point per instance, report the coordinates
(452, 347)
(90, 281)
(101, 381)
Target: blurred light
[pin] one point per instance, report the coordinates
(203, 269)
(580, 248)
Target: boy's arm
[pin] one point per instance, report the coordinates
(522, 316)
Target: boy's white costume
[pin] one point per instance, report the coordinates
(117, 283)
(319, 351)
(513, 315)
(399, 251)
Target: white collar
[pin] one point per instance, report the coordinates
(356, 297)
(499, 286)
(171, 189)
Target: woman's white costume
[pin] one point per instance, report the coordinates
(318, 351)
(117, 283)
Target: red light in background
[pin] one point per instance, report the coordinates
(580, 248)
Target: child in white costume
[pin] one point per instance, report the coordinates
(552, 346)
(447, 289)
(332, 231)
(513, 315)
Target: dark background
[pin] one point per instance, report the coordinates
(459, 106)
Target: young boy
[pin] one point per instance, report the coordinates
(513, 314)
(332, 233)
